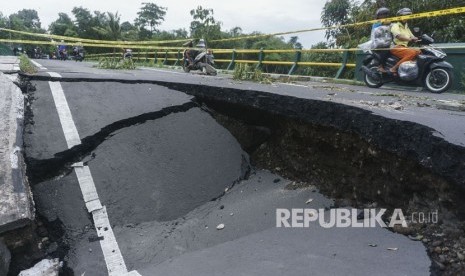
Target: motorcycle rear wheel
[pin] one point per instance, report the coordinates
(185, 67)
(439, 80)
(371, 82)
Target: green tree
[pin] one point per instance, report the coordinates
(127, 26)
(129, 31)
(63, 26)
(150, 15)
(336, 12)
(204, 24)
(172, 35)
(83, 22)
(28, 18)
(112, 28)
(4, 23)
(180, 33)
(293, 41)
(88, 24)
(235, 32)
(448, 28)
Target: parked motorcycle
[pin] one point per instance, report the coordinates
(63, 55)
(37, 53)
(78, 54)
(195, 59)
(127, 54)
(430, 69)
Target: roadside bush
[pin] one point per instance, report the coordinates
(114, 63)
(246, 72)
(26, 66)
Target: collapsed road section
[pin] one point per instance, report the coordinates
(192, 182)
(153, 154)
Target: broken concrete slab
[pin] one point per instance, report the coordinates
(450, 105)
(44, 268)
(9, 64)
(16, 205)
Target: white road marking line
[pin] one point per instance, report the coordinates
(38, 65)
(89, 191)
(66, 119)
(54, 75)
(111, 252)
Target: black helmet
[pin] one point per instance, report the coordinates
(404, 11)
(382, 12)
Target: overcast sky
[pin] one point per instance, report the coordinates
(266, 16)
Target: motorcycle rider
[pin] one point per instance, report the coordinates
(402, 36)
(381, 36)
(78, 51)
(192, 53)
(127, 53)
(75, 51)
(62, 50)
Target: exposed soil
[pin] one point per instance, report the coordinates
(355, 173)
(41, 239)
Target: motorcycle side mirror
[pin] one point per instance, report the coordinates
(416, 31)
(426, 40)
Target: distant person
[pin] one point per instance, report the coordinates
(62, 50)
(190, 53)
(127, 53)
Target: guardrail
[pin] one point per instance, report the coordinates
(166, 56)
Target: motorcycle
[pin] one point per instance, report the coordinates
(430, 69)
(37, 53)
(78, 55)
(63, 55)
(127, 54)
(203, 60)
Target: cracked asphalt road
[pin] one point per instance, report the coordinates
(163, 180)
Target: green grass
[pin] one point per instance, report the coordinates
(26, 66)
(246, 72)
(116, 63)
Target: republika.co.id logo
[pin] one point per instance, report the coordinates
(299, 218)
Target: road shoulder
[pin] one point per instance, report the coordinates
(16, 204)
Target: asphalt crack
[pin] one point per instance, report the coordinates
(40, 170)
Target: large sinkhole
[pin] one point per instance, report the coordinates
(355, 173)
(155, 169)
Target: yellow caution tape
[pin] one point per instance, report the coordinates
(289, 51)
(38, 42)
(77, 39)
(457, 10)
(136, 44)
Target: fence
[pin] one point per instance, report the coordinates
(174, 58)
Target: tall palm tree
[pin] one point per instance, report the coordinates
(114, 26)
(112, 29)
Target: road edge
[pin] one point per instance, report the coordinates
(16, 202)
